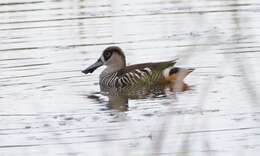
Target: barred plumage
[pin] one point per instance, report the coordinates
(118, 75)
(118, 79)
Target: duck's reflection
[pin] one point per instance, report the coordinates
(118, 98)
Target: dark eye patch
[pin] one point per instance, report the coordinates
(107, 55)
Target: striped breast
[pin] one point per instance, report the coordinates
(147, 73)
(119, 79)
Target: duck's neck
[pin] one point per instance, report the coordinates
(112, 68)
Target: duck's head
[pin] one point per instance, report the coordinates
(113, 57)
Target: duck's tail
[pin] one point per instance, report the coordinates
(176, 73)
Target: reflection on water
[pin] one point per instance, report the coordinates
(48, 107)
(118, 97)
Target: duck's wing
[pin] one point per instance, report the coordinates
(151, 67)
(146, 72)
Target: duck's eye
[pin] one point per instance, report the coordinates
(107, 55)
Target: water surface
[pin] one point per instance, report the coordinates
(48, 107)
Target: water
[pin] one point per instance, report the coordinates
(48, 107)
